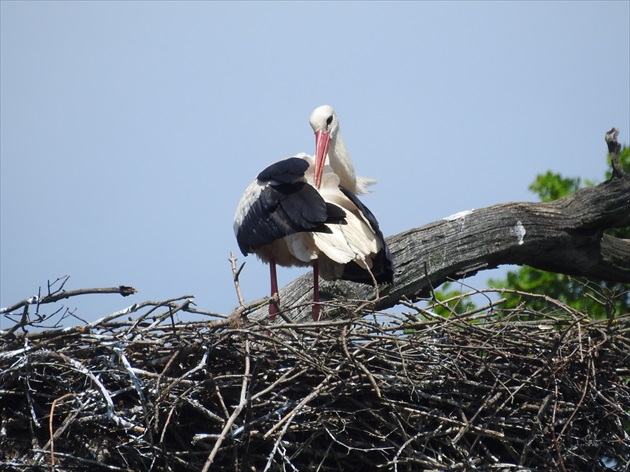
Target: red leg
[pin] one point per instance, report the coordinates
(273, 307)
(316, 307)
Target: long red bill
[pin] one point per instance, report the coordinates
(322, 140)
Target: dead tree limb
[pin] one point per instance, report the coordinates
(565, 236)
(123, 290)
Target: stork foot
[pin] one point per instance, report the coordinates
(274, 309)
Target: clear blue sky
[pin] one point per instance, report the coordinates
(129, 130)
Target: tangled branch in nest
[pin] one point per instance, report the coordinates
(486, 390)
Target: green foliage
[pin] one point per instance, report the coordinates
(552, 186)
(624, 161)
(599, 299)
(595, 297)
(451, 301)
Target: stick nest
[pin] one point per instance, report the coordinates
(493, 389)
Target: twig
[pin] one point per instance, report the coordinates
(235, 413)
(289, 417)
(235, 276)
(552, 427)
(50, 428)
(352, 358)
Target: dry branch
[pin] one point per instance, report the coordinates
(60, 294)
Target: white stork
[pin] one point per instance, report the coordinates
(304, 211)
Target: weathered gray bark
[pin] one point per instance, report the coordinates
(565, 236)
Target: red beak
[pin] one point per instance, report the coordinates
(322, 140)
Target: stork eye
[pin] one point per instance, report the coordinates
(329, 120)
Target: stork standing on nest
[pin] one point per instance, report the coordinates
(304, 211)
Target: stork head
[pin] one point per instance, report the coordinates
(325, 124)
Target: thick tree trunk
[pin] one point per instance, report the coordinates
(565, 236)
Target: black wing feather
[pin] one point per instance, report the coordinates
(285, 171)
(287, 205)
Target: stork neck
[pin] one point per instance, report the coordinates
(340, 161)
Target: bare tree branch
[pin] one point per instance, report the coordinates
(123, 290)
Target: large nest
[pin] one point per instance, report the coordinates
(492, 389)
